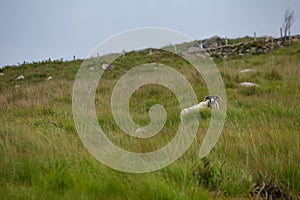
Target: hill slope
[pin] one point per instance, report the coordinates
(42, 156)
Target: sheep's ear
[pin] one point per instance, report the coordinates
(207, 98)
(218, 97)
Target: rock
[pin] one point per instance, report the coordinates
(49, 78)
(21, 77)
(248, 84)
(17, 86)
(91, 68)
(1, 74)
(260, 51)
(253, 50)
(212, 42)
(269, 39)
(193, 50)
(140, 131)
(247, 71)
(104, 66)
(239, 44)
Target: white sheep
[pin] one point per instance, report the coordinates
(21, 77)
(209, 101)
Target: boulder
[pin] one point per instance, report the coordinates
(211, 42)
(104, 66)
(193, 50)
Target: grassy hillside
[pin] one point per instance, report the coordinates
(42, 156)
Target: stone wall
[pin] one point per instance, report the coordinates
(260, 46)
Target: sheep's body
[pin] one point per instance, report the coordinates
(210, 101)
(21, 77)
(196, 107)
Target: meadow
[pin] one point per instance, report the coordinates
(42, 156)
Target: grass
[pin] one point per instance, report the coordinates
(42, 156)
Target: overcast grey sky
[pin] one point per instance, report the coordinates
(34, 30)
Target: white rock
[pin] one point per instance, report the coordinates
(21, 77)
(92, 69)
(193, 49)
(140, 131)
(248, 84)
(247, 70)
(104, 66)
(49, 78)
(1, 74)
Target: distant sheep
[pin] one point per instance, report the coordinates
(21, 77)
(49, 78)
(1, 74)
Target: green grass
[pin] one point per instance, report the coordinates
(42, 156)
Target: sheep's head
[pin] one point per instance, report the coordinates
(212, 101)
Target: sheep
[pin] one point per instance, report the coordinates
(21, 77)
(209, 101)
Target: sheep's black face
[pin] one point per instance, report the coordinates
(212, 101)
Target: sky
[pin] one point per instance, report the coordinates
(35, 30)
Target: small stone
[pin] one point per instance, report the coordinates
(247, 71)
(248, 84)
